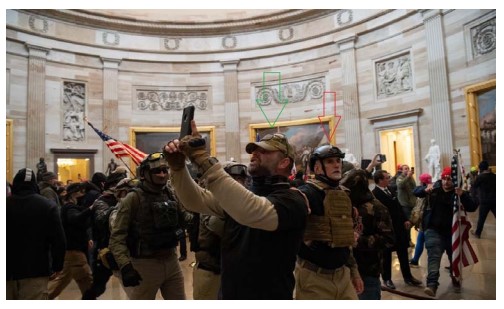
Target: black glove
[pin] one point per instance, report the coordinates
(130, 276)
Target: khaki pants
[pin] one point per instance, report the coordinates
(162, 274)
(29, 288)
(206, 284)
(314, 285)
(75, 267)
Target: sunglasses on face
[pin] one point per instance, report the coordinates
(159, 170)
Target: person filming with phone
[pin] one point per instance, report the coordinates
(263, 227)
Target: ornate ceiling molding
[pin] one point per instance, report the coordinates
(95, 20)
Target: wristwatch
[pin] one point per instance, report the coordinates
(205, 165)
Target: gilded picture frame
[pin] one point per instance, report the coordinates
(304, 135)
(481, 119)
(152, 139)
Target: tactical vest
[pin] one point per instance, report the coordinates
(154, 223)
(336, 225)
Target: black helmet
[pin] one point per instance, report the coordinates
(325, 151)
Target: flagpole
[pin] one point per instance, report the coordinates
(459, 184)
(119, 157)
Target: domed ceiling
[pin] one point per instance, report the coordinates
(183, 22)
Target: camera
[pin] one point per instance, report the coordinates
(382, 158)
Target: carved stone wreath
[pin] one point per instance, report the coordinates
(106, 38)
(172, 43)
(286, 34)
(229, 42)
(484, 38)
(33, 24)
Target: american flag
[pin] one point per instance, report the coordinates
(463, 253)
(120, 149)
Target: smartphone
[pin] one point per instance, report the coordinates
(412, 169)
(185, 126)
(383, 158)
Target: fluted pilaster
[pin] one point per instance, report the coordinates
(110, 103)
(232, 111)
(35, 115)
(351, 114)
(438, 82)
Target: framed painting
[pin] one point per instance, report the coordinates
(304, 135)
(150, 139)
(482, 120)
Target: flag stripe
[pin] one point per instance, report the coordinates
(120, 149)
(463, 254)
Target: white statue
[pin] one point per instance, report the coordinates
(349, 157)
(432, 158)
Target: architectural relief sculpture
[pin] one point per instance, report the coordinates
(292, 92)
(74, 107)
(344, 17)
(171, 100)
(432, 158)
(484, 38)
(394, 76)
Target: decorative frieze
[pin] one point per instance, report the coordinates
(38, 24)
(173, 99)
(286, 34)
(293, 92)
(74, 109)
(393, 76)
(110, 38)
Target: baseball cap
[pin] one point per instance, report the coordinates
(273, 142)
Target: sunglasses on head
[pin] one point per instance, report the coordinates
(236, 170)
(282, 136)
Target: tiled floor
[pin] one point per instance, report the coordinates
(479, 280)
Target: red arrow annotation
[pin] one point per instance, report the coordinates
(329, 137)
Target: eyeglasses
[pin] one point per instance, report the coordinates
(159, 170)
(236, 170)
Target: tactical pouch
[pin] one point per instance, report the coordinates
(165, 214)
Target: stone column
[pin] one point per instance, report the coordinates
(35, 115)
(232, 114)
(351, 114)
(438, 82)
(110, 105)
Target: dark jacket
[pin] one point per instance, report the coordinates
(76, 222)
(35, 237)
(440, 215)
(485, 186)
(397, 215)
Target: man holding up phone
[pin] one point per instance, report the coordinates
(263, 227)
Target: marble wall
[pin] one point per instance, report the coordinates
(387, 68)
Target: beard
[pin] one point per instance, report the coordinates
(255, 169)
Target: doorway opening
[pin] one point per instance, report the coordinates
(73, 170)
(75, 165)
(398, 145)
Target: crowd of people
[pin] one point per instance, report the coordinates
(256, 233)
